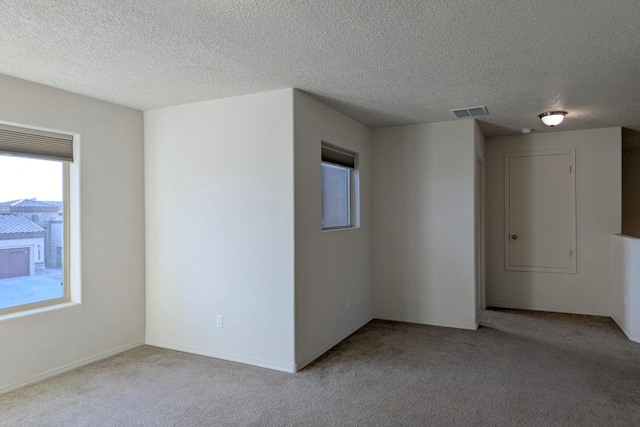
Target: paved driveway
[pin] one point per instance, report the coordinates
(28, 289)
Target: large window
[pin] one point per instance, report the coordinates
(34, 218)
(339, 188)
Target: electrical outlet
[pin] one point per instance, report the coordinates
(348, 303)
(219, 321)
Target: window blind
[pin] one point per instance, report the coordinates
(338, 156)
(36, 143)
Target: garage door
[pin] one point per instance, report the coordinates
(14, 262)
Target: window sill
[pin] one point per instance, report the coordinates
(38, 310)
(329, 230)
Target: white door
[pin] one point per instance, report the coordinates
(540, 211)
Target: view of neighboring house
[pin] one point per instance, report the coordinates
(31, 237)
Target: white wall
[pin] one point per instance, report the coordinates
(598, 205)
(625, 291)
(111, 316)
(423, 223)
(334, 265)
(219, 218)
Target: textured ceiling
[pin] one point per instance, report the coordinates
(383, 63)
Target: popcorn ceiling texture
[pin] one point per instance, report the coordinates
(381, 62)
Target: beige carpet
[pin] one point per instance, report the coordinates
(520, 368)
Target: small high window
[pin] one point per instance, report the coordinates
(339, 188)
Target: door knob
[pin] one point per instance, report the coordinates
(514, 236)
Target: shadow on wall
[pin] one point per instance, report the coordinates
(631, 182)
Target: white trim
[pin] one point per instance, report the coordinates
(72, 227)
(71, 366)
(470, 326)
(333, 343)
(224, 356)
(481, 275)
(38, 310)
(625, 330)
(330, 230)
(550, 309)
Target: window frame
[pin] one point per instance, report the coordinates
(71, 272)
(353, 182)
(348, 196)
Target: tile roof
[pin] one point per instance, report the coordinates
(27, 203)
(13, 223)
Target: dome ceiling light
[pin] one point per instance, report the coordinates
(552, 118)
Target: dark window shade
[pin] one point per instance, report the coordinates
(338, 157)
(36, 143)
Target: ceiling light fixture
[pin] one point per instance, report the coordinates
(552, 118)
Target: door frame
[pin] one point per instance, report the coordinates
(479, 225)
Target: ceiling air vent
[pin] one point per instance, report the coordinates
(462, 113)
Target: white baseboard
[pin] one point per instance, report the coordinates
(551, 309)
(470, 326)
(224, 356)
(70, 367)
(625, 330)
(329, 346)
